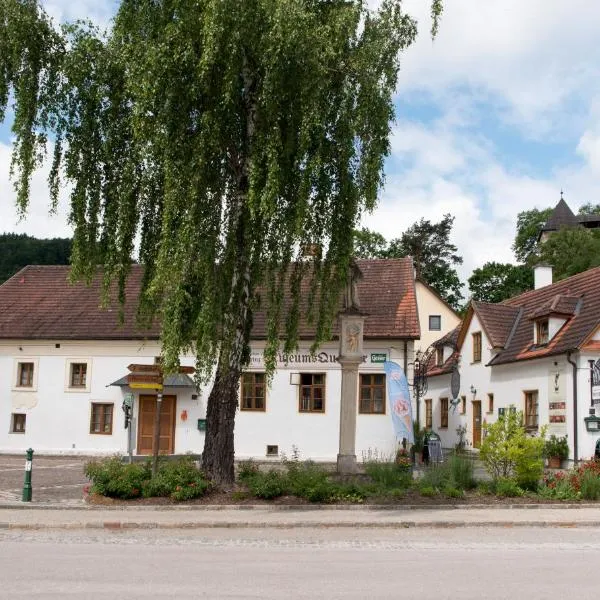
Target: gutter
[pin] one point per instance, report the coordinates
(574, 365)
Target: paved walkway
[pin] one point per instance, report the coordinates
(261, 517)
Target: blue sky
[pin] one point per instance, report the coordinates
(495, 116)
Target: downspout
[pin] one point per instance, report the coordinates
(405, 357)
(574, 364)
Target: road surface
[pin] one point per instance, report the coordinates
(324, 564)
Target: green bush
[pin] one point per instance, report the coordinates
(247, 470)
(453, 492)
(388, 475)
(556, 446)
(507, 452)
(590, 486)
(179, 479)
(508, 488)
(111, 477)
(428, 491)
(462, 472)
(267, 485)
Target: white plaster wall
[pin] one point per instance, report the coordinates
(429, 304)
(58, 420)
(587, 440)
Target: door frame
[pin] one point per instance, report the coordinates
(475, 403)
(172, 424)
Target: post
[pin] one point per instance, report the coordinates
(27, 490)
(156, 442)
(351, 355)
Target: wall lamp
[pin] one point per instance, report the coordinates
(473, 390)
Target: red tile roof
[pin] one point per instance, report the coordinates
(497, 321)
(39, 303)
(577, 299)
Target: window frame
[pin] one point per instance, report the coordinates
(439, 321)
(83, 375)
(428, 413)
(542, 332)
(463, 405)
(528, 414)
(254, 385)
(439, 356)
(490, 409)
(476, 339)
(103, 406)
(444, 410)
(69, 363)
(372, 386)
(312, 387)
(14, 420)
(20, 365)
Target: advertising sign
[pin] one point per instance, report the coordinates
(399, 401)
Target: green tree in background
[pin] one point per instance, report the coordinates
(571, 250)
(369, 244)
(529, 224)
(20, 250)
(227, 135)
(589, 209)
(495, 282)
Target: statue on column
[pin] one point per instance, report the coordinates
(351, 300)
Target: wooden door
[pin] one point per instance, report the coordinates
(146, 424)
(476, 423)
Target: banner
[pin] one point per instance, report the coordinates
(399, 401)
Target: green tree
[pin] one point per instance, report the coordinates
(529, 224)
(20, 250)
(571, 250)
(433, 254)
(369, 244)
(227, 135)
(589, 209)
(494, 282)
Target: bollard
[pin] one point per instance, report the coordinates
(27, 485)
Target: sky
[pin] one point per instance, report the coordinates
(495, 116)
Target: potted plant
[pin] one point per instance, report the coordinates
(556, 449)
(417, 447)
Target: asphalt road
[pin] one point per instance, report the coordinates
(319, 563)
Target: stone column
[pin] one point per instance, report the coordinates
(351, 355)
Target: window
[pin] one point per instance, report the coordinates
(428, 415)
(253, 391)
(541, 332)
(443, 413)
(312, 392)
(78, 375)
(477, 347)
(463, 405)
(439, 356)
(372, 394)
(17, 424)
(102, 416)
(531, 410)
(25, 374)
(490, 403)
(272, 450)
(435, 323)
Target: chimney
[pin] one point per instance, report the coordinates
(542, 276)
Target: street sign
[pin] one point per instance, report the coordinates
(378, 358)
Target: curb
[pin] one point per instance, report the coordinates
(289, 507)
(144, 525)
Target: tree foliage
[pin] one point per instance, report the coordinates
(571, 250)
(495, 282)
(369, 244)
(589, 209)
(20, 250)
(529, 224)
(434, 256)
(228, 136)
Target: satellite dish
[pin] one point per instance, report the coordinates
(455, 383)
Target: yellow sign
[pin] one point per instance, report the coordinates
(146, 386)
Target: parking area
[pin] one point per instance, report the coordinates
(54, 478)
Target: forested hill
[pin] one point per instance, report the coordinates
(19, 250)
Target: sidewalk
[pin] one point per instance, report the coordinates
(295, 517)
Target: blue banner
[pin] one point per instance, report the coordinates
(399, 401)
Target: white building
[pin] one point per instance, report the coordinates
(532, 351)
(63, 362)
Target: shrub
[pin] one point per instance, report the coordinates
(111, 477)
(590, 486)
(558, 485)
(509, 453)
(453, 492)
(179, 479)
(461, 472)
(427, 491)
(389, 475)
(247, 470)
(508, 488)
(267, 485)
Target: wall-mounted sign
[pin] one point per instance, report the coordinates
(596, 381)
(378, 357)
(557, 401)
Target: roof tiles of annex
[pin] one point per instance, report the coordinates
(39, 303)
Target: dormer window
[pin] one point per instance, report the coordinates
(439, 356)
(542, 332)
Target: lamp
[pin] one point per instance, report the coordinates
(592, 423)
(473, 390)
